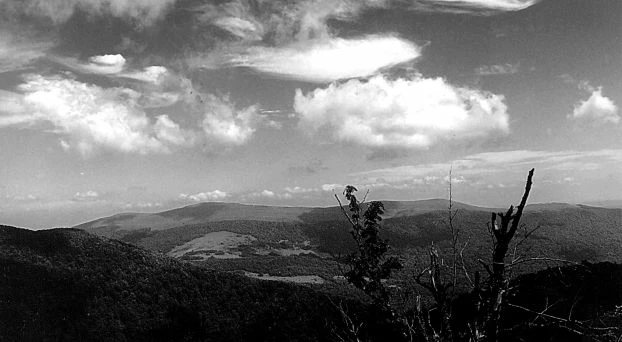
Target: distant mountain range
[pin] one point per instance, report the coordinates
(302, 241)
(217, 212)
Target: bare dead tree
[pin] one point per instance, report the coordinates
(503, 230)
(369, 267)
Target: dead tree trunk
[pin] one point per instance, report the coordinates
(503, 233)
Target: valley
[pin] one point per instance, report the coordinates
(309, 242)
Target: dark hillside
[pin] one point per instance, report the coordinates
(66, 284)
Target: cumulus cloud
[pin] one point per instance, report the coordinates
(477, 7)
(223, 123)
(329, 60)
(212, 196)
(169, 132)
(145, 12)
(88, 117)
(597, 109)
(411, 113)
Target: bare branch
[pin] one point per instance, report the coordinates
(521, 206)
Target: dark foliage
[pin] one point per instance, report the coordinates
(369, 266)
(66, 284)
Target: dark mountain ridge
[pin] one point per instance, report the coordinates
(219, 211)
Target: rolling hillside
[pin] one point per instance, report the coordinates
(290, 241)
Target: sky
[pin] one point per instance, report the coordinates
(111, 106)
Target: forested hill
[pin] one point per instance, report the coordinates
(69, 285)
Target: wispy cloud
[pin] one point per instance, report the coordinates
(102, 64)
(159, 86)
(414, 113)
(313, 166)
(144, 12)
(476, 7)
(18, 53)
(298, 43)
(494, 167)
(323, 61)
(497, 69)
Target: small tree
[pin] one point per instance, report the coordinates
(369, 265)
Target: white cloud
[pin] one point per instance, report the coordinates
(145, 12)
(300, 44)
(89, 195)
(101, 64)
(105, 64)
(159, 86)
(223, 123)
(152, 74)
(299, 190)
(597, 109)
(88, 117)
(332, 187)
(215, 195)
(404, 113)
(327, 60)
(482, 7)
(143, 205)
(168, 131)
(267, 193)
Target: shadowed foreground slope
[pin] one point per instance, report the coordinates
(66, 284)
(69, 285)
